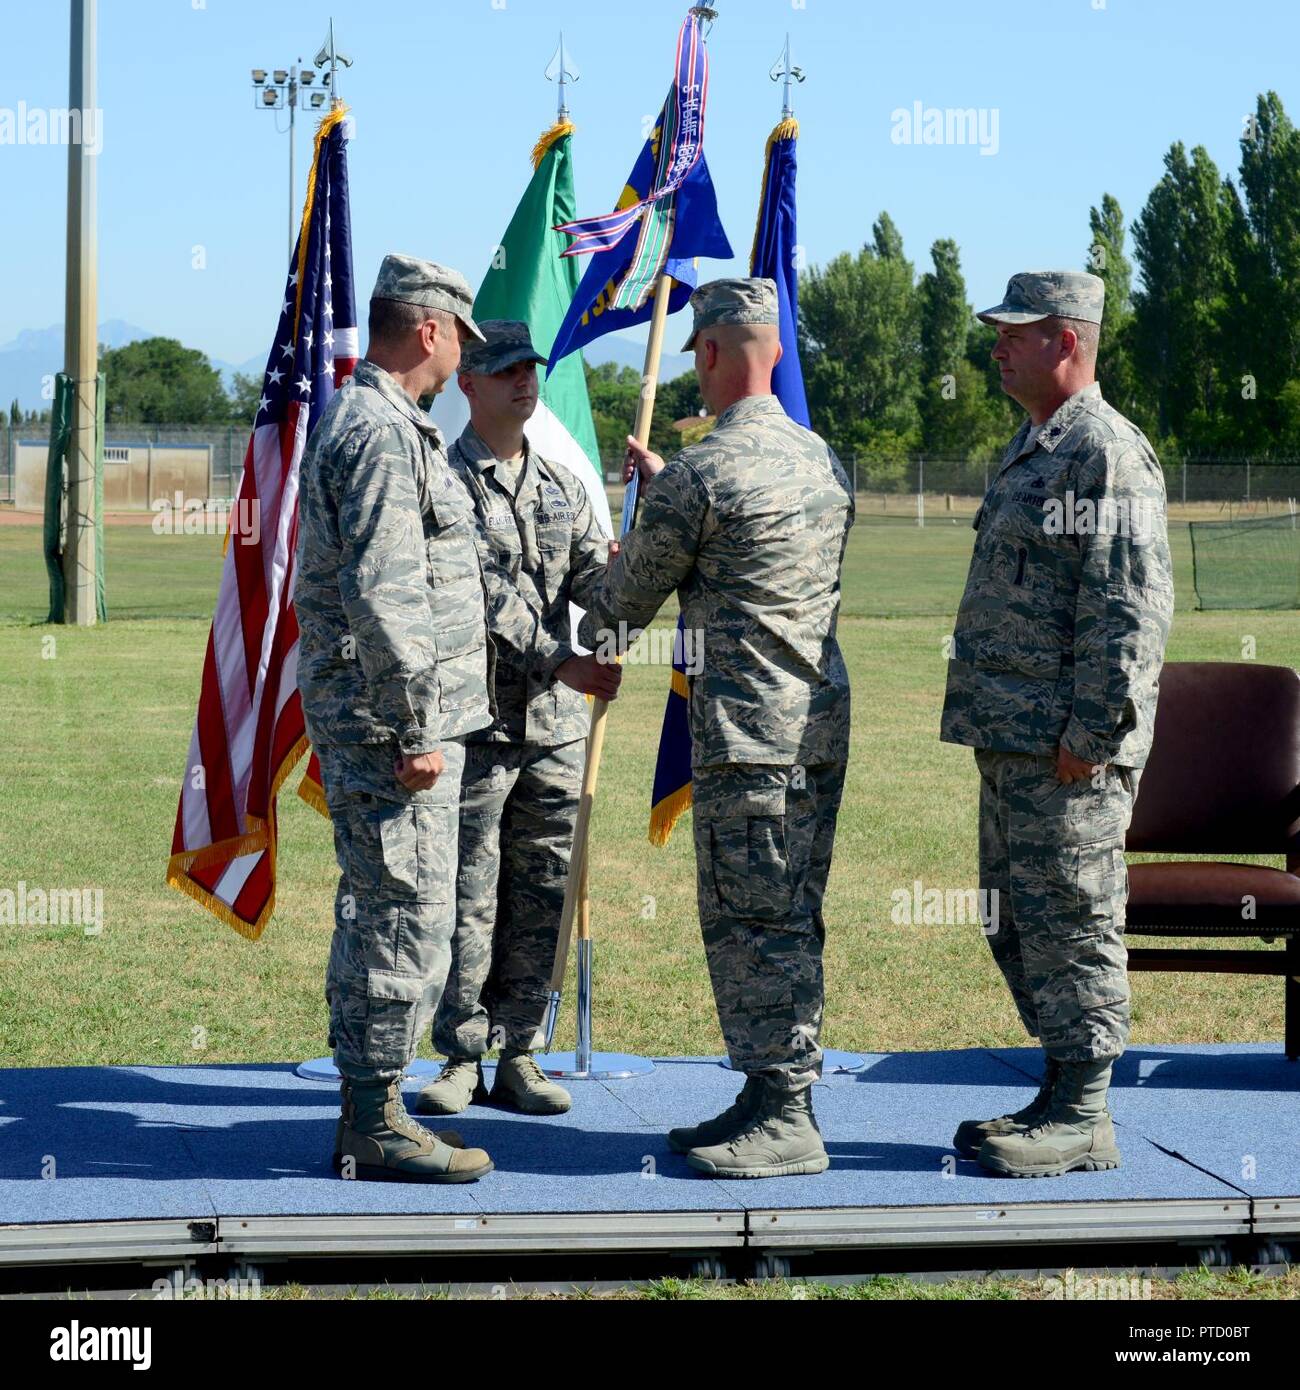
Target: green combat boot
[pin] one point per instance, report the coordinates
(458, 1084)
(972, 1133)
(721, 1127)
(780, 1139)
(380, 1142)
(521, 1085)
(1075, 1132)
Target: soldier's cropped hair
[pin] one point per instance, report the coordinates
(1088, 334)
(392, 319)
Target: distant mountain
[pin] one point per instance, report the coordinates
(253, 367)
(112, 333)
(37, 353)
(627, 352)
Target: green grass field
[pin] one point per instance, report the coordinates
(96, 730)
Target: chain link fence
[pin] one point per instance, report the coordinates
(912, 490)
(892, 490)
(224, 446)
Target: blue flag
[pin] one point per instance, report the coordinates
(773, 257)
(670, 203)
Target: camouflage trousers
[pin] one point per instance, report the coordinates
(763, 842)
(394, 911)
(517, 808)
(1055, 855)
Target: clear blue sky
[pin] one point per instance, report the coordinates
(449, 96)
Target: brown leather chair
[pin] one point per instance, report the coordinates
(1223, 778)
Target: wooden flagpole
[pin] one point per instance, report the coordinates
(577, 896)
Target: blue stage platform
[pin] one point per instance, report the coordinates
(161, 1163)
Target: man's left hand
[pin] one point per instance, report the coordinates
(639, 459)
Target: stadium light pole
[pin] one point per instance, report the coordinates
(275, 90)
(80, 341)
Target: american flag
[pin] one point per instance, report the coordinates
(249, 731)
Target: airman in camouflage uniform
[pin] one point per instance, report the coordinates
(749, 525)
(394, 672)
(523, 772)
(1055, 665)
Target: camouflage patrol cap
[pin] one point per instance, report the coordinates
(738, 300)
(505, 342)
(424, 282)
(1040, 294)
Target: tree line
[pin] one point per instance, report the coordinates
(1204, 354)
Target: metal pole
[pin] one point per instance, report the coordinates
(552, 1019)
(582, 1062)
(293, 107)
(80, 349)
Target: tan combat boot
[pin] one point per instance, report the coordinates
(458, 1084)
(1075, 1132)
(971, 1134)
(521, 1085)
(721, 1127)
(451, 1137)
(779, 1139)
(380, 1142)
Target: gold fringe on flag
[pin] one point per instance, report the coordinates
(665, 815)
(544, 141)
(263, 835)
(313, 794)
(327, 124)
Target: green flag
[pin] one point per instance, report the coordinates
(528, 280)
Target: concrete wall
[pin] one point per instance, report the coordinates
(136, 474)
